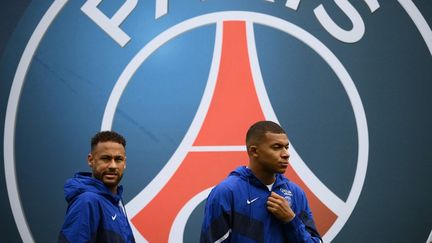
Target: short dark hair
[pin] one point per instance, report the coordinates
(258, 129)
(107, 136)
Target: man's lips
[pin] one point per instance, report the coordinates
(284, 164)
(110, 174)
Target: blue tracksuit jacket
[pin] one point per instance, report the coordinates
(236, 211)
(94, 214)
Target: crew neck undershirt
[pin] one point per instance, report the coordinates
(270, 186)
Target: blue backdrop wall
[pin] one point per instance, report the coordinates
(349, 80)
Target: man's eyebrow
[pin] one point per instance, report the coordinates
(280, 143)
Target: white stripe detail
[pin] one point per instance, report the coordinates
(224, 237)
(419, 21)
(240, 148)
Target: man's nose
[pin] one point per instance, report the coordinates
(112, 164)
(285, 153)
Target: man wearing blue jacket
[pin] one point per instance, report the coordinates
(96, 212)
(258, 203)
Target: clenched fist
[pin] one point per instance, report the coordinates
(279, 207)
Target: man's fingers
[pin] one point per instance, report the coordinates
(275, 195)
(272, 204)
(275, 198)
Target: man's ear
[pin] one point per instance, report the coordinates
(90, 160)
(252, 150)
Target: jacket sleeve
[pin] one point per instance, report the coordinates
(217, 216)
(81, 221)
(302, 228)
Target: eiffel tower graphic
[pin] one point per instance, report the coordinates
(234, 98)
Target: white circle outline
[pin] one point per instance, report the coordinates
(284, 26)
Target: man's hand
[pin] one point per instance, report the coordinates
(279, 207)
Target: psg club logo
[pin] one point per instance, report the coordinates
(183, 82)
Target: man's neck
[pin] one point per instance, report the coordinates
(113, 190)
(265, 178)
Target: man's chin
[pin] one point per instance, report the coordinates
(281, 171)
(111, 182)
